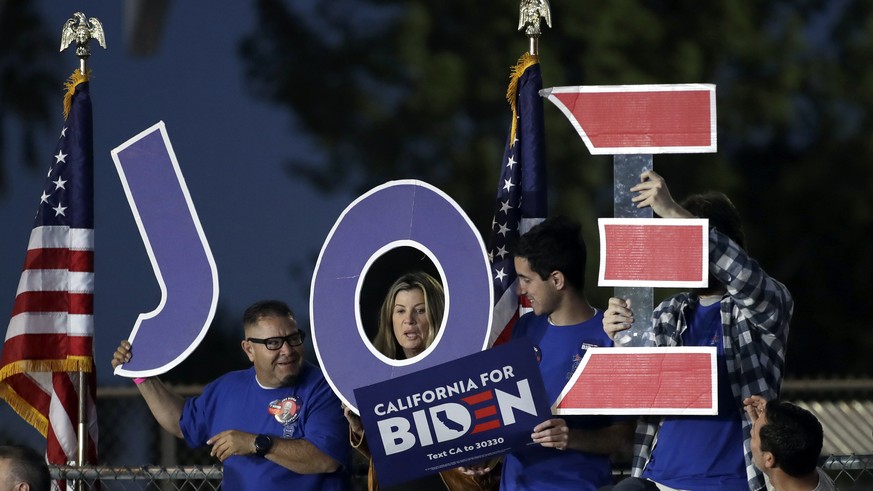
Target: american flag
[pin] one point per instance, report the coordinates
(521, 194)
(49, 341)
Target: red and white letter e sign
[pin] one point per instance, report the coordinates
(669, 253)
(640, 119)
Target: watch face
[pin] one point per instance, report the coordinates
(263, 443)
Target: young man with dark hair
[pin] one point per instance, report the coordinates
(277, 424)
(744, 313)
(786, 445)
(572, 452)
(23, 469)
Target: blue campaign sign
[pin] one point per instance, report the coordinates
(178, 250)
(464, 411)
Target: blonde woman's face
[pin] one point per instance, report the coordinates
(409, 317)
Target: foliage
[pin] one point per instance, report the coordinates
(26, 87)
(415, 89)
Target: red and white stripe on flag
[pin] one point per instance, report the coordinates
(50, 338)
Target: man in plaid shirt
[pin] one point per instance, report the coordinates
(745, 314)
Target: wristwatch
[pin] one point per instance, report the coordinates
(263, 444)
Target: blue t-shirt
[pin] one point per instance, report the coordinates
(559, 350)
(308, 409)
(703, 453)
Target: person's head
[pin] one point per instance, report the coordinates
(723, 216)
(786, 437)
(273, 343)
(549, 258)
(410, 316)
(720, 211)
(23, 469)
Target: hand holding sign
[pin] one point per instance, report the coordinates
(122, 354)
(652, 191)
(477, 469)
(552, 433)
(355, 425)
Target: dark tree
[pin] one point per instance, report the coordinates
(391, 89)
(28, 85)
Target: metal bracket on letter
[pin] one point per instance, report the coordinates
(627, 169)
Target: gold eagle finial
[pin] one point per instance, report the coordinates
(80, 30)
(530, 13)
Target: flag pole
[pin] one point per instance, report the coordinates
(530, 13)
(83, 425)
(81, 30)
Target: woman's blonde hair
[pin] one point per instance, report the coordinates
(434, 304)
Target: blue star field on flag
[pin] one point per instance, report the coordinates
(521, 193)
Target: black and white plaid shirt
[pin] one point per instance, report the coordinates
(755, 313)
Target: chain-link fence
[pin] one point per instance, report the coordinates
(130, 435)
(850, 473)
(142, 478)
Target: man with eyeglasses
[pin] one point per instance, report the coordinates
(277, 423)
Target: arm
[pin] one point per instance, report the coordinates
(323, 443)
(298, 455)
(165, 405)
(556, 434)
(765, 301)
(762, 299)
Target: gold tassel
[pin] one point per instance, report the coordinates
(526, 61)
(70, 364)
(75, 79)
(18, 403)
(26, 411)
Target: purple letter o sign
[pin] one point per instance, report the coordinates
(405, 213)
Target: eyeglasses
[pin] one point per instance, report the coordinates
(275, 343)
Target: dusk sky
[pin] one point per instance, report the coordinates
(230, 148)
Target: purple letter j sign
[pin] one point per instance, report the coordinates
(177, 248)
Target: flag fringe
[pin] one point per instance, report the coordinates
(75, 79)
(71, 364)
(27, 412)
(526, 61)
